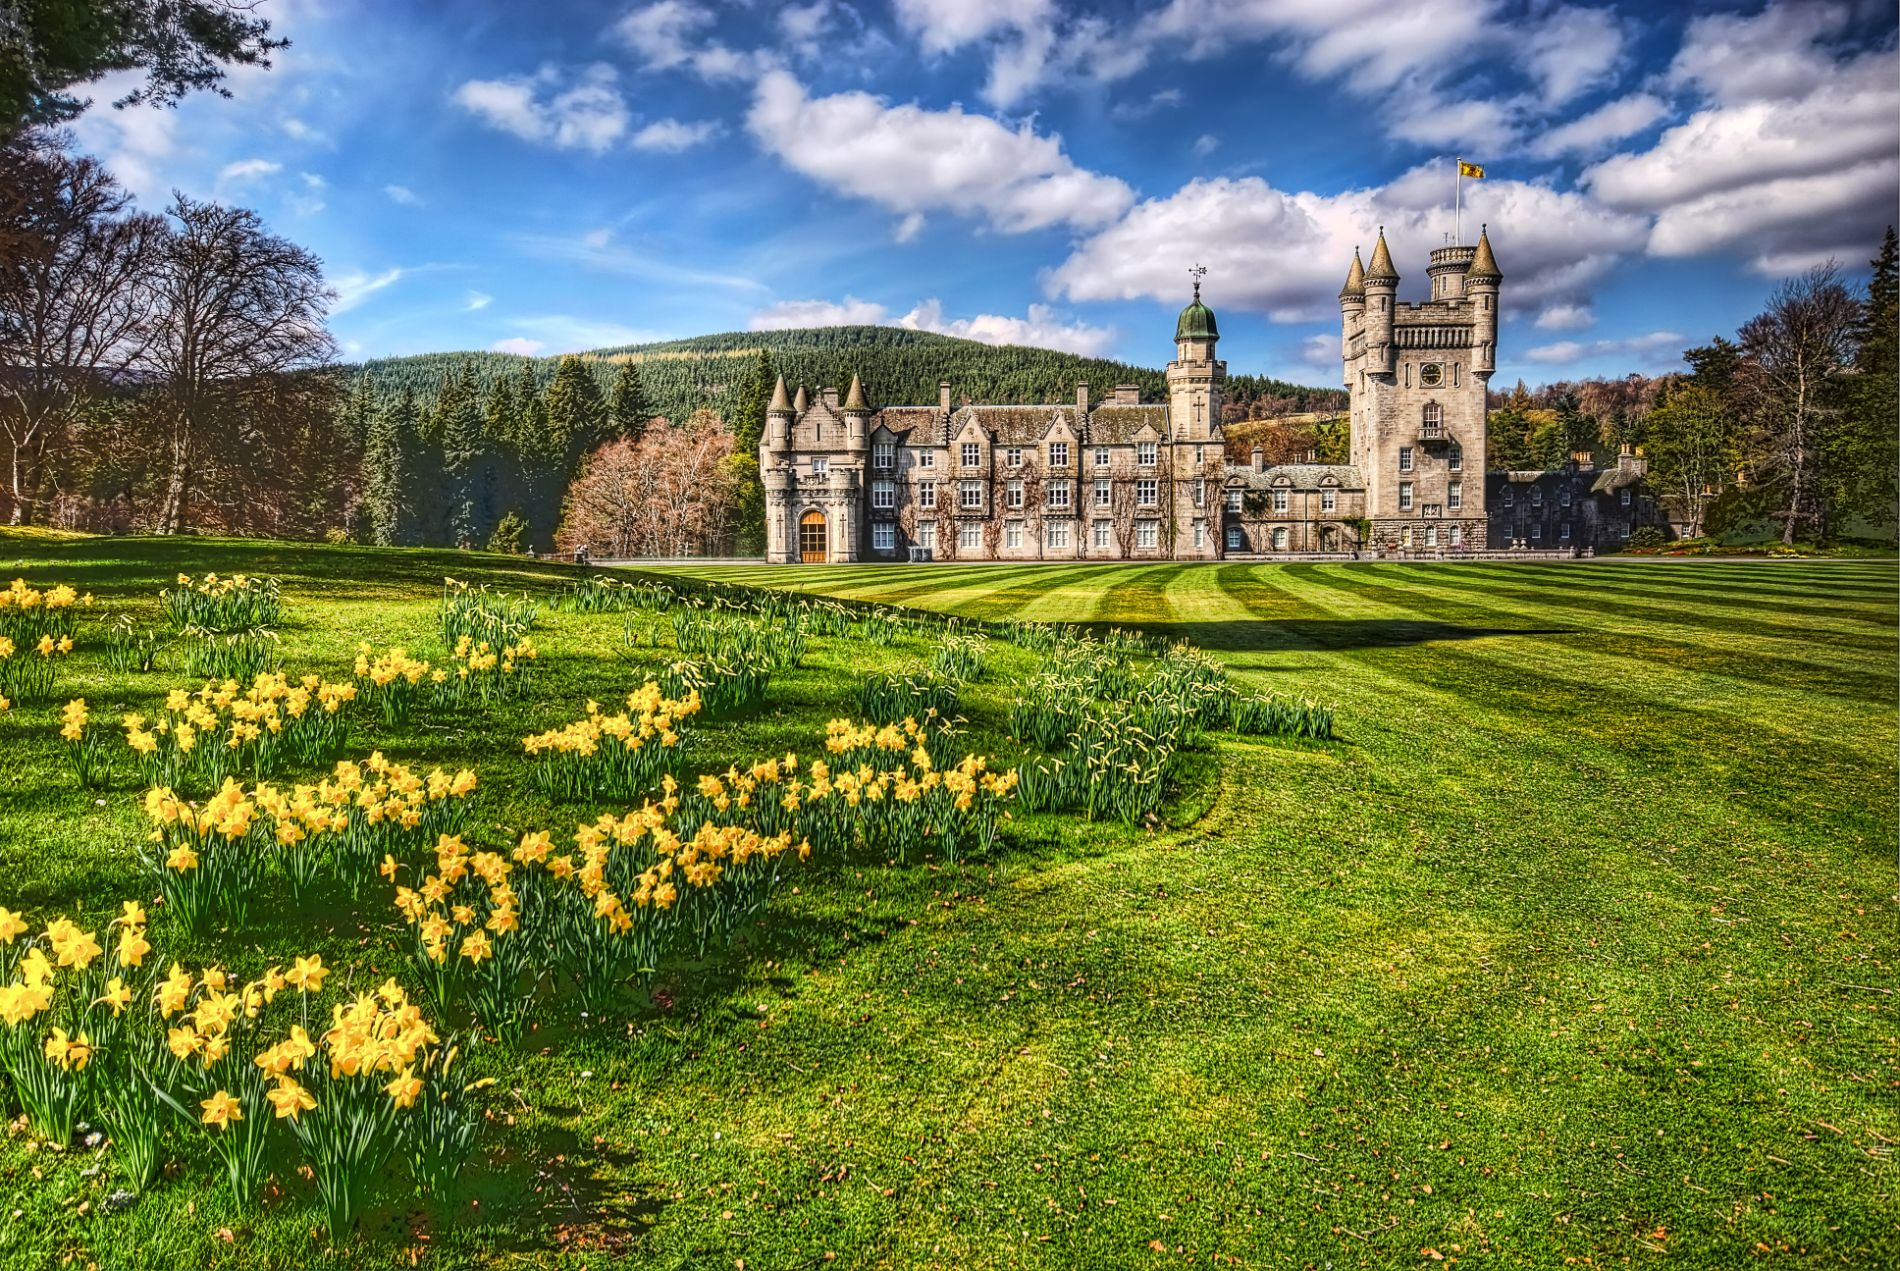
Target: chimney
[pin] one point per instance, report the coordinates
(831, 398)
(943, 396)
(1259, 459)
(1127, 395)
(1081, 399)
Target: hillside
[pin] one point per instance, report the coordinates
(899, 367)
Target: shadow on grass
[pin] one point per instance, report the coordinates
(1295, 635)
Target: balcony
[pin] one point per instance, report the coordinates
(1431, 431)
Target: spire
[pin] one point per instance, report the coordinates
(1355, 279)
(854, 399)
(801, 403)
(781, 405)
(1381, 270)
(1484, 266)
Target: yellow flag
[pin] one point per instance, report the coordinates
(1471, 170)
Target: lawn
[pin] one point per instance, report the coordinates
(1576, 947)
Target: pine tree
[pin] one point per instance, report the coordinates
(1863, 461)
(628, 406)
(748, 429)
(388, 471)
(461, 433)
(496, 471)
(576, 412)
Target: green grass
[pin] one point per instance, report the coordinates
(1576, 948)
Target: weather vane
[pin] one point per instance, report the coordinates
(1198, 272)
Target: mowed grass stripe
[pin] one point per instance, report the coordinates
(1820, 597)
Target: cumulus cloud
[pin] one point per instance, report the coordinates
(1021, 34)
(1664, 346)
(1285, 254)
(1573, 50)
(1791, 157)
(1041, 327)
(676, 35)
(913, 160)
(585, 112)
(1592, 133)
(1566, 318)
(672, 136)
(403, 195)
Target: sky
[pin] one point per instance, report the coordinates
(561, 175)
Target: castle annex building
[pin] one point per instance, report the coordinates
(1123, 479)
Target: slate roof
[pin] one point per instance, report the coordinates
(1117, 425)
(919, 425)
(1014, 425)
(1302, 476)
(1615, 479)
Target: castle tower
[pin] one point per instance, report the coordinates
(1195, 445)
(1418, 375)
(857, 417)
(1352, 311)
(778, 480)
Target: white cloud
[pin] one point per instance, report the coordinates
(586, 114)
(908, 228)
(310, 201)
(1566, 318)
(1284, 254)
(1160, 100)
(791, 314)
(1607, 124)
(518, 344)
(402, 195)
(564, 333)
(1042, 327)
(1791, 158)
(1571, 50)
(913, 160)
(1021, 34)
(297, 130)
(1648, 349)
(1205, 144)
(353, 288)
(1318, 353)
(477, 300)
(244, 170)
(671, 136)
(673, 35)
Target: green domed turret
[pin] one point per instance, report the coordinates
(1197, 320)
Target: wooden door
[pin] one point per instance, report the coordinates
(811, 538)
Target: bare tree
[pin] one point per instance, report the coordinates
(232, 304)
(73, 301)
(670, 493)
(1792, 354)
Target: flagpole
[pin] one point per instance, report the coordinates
(1458, 203)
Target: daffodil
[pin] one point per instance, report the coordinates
(221, 1110)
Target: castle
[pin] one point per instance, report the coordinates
(1123, 479)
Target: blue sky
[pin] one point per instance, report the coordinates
(561, 175)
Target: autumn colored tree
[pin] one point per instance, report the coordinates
(669, 493)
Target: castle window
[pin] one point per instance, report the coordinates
(1537, 496)
(1510, 497)
(884, 455)
(1147, 534)
(1200, 492)
(1147, 492)
(1405, 538)
(926, 458)
(1563, 497)
(1057, 535)
(1013, 456)
(972, 454)
(927, 536)
(1432, 419)
(1431, 536)
(1101, 456)
(1236, 539)
(1234, 498)
(1405, 496)
(1454, 375)
(1200, 455)
(970, 495)
(1455, 495)
(1145, 454)
(1564, 533)
(820, 465)
(1058, 454)
(1455, 458)
(1457, 536)
(1013, 534)
(883, 494)
(883, 536)
(1537, 531)
(1102, 493)
(969, 537)
(1102, 531)
(1405, 458)
(1279, 500)
(1279, 538)
(1058, 494)
(1626, 496)
(926, 494)
(1013, 496)
(1328, 501)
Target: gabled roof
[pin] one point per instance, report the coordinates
(919, 425)
(1297, 476)
(1118, 425)
(1615, 479)
(1014, 425)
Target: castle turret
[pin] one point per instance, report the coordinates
(1382, 289)
(778, 419)
(1352, 309)
(802, 402)
(1196, 375)
(1481, 287)
(857, 416)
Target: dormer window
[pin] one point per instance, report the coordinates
(1013, 456)
(1058, 454)
(1145, 454)
(884, 455)
(972, 454)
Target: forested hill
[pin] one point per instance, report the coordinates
(900, 367)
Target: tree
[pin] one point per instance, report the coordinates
(576, 412)
(48, 46)
(667, 494)
(387, 472)
(1792, 357)
(1691, 450)
(232, 304)
(459, 432)
(748, 430)
(1863, 465)
(628, 407)
(73, 299)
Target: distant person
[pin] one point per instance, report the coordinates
(580, 554)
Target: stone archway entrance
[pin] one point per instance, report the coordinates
(1329, 538)
(811, 538)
